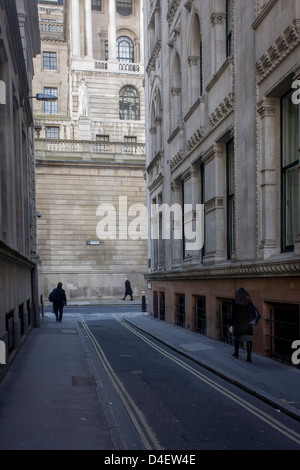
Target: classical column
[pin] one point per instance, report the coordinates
(270, 210)
(112, 35)
(88, 29)
(176, 240)
(141, 33)
(75, 28)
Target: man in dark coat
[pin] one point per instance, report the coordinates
(128, 290)
(59, 302)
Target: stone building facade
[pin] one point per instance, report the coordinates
(90, 147)
(222, 94)
(19, 262)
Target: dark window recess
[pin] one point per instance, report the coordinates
(200, 315)
(284, 329)
(162, 313)
(155, 304)
(22, 319)
(9, 321)
(224, 318)
(180, 310)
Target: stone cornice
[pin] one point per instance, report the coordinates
(12, 255)
(256, 269)
(263, 12)
(278, 51)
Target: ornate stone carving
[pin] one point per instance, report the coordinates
(278, 51)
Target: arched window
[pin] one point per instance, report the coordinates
(125, 49)
(124, 7)
(129, 103)
(176, 93)
(195, 61)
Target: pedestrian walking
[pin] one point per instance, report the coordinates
(240, 327)
(128, 290)
(59, 302)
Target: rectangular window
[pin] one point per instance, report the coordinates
(289, 171)
(200, 315)
(50, 107)
(97, 5)
(52, 132)
(230, 199)
(180, 310)
(102, 143)
(129, 144)
(155, 304)
(22, 319)
(228, 28)
(49, 61)
(202, 176)
(9, 321)
(102, 138)
(162, 307)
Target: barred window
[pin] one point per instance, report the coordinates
(129, 103)
(52, 132)
(50, 106)
(49, 61)
(124, 7)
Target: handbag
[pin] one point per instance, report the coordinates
(253, 315)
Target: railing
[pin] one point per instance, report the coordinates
(284, 328)
(180, 311)
(118, 66)
(200, 315)
(52, 30)
(224, 317)
(81, 149)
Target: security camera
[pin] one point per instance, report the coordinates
(38, 214)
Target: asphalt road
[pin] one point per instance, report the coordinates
(161, 400)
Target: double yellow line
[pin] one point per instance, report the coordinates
(146, 434)
(294, 436)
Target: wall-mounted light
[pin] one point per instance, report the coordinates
(43, 97)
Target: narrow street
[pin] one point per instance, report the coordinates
(162, 400)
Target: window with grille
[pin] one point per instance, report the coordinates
(129, 103)
(49, 61)
(124, 7)
(50, 107)
(125, 49)
(180, 310)
(52, 132)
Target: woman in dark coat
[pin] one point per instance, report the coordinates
(240, 322)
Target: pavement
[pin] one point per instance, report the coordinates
(50, 399)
